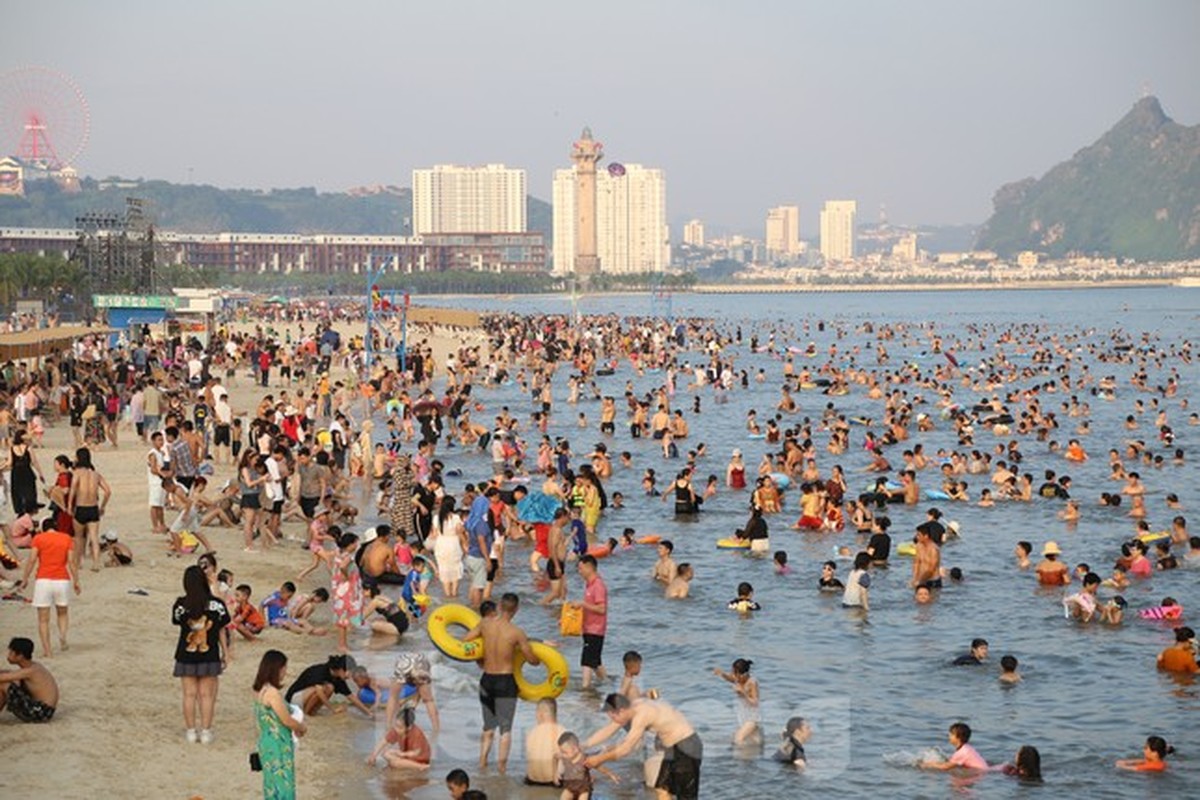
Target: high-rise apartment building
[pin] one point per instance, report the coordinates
(693, 233)
(837, 229)
(453, 199)
(631, 220)
(783, 232)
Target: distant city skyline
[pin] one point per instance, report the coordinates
(925, 107)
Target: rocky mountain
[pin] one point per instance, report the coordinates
(1134, 193)
(207, 209)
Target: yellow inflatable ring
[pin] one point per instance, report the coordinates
(733, 544)
(439, 624)
(557, 674)
(1153, 537)
(906, 549)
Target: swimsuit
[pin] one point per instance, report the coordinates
(21, 703)
(498, 699)
(86, 514)
(680, 771)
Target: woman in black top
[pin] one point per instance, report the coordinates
(199, 655)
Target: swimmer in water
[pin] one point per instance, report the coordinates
(795, 736)
(680, 585)
(744, 603)
(1154, 757)
(965, 756)
(1008, 670)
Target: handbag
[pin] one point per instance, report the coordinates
(570, 623)
(89, 412)
(255, 762)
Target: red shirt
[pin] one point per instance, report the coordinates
(595, 593)
(53, 549)
(413, 739)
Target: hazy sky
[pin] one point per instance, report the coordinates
(926, 106)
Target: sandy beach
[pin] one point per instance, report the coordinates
(118, 730)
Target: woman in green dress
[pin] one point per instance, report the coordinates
(275, 727)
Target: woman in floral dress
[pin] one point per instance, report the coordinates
(276, 748)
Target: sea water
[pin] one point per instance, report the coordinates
(878, 689)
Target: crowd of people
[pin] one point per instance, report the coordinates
(349, 471)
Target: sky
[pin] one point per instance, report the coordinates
(923, 106)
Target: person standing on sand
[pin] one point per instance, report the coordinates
(51, 555)
(29, 691)
(276, 725)
(200, 654)
(85, 504)
(497, 687)
(158, 466)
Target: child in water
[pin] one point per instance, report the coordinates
(746, 701)
(744, 602)
(795, 736)
(574, 775)
(781, 563)
(965, 756)
(1154, 757)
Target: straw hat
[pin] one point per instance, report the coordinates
(1051, 549)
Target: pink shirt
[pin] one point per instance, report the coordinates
(595, 593)
(968, 758)
(1141, 567)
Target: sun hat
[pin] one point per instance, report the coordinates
(1051, 549)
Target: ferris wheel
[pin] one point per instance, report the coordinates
(44, 118)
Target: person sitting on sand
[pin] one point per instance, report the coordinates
(29, 691)
(405, 745)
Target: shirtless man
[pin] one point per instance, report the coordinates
(556, 563)
(664, 568)
(86, 505)
(378, 561)
(497, 687)
(29, 691)
(927, 562)
(679, 776)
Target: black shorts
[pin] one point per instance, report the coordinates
(277, 507)
(251, 501)
(185, 481)
(493, 568)
(680, 771)
(308, 505)
(554, 569)
(936, 583)
(221, 435)
(608, 427)
(593, 648)
(498, 699)
(86, 514)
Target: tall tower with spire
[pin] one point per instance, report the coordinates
(586, 153)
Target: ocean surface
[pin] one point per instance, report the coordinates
(879, 691)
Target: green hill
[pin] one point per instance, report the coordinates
(1135, 193)
(207, 209)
